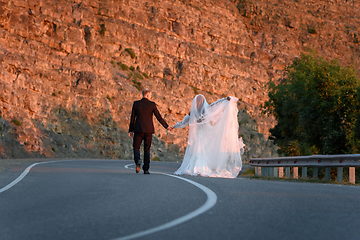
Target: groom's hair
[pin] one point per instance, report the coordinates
(145, 91)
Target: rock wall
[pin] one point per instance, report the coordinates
(88, 60)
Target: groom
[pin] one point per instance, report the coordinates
(142, 127)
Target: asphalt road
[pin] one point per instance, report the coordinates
(104, 200)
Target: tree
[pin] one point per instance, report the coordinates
(316, 105)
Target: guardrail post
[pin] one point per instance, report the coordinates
(281, 172)
(264, 171)
(295, 172)
(316, 162)
(304, 172)
(271, 172)
(287, 172)
(327, 174)
(339, 174)
(315, 172)
(352, 175)
(275, 172)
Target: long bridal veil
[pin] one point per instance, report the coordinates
(213, 149)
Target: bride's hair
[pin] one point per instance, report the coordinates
(198, 107)
(199, 101)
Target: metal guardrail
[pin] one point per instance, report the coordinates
(274, 167)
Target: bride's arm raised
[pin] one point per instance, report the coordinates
(183, 123)
(219, 101)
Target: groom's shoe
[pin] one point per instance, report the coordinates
(138, 168)
(146, 172)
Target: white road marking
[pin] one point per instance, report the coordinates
(210, 202)
(24, 173)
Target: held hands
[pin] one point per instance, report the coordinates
(131, 134)
(170, 128)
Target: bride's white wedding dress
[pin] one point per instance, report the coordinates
(214, 149)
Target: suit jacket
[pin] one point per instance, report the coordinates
(142, 117)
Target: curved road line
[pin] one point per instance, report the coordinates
(210, 202)
(24, 173)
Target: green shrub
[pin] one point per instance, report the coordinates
(316, 105)
(137, 85)
(124, 67)
(138, 76)
(145, 75)
(132, 68)
(156, 159)
(108, 98)
(240, 6)
(312, 30)
(16, 122)
(131, 52)
(53, 94)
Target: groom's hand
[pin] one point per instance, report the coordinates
(131, 134)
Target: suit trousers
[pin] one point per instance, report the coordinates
(138, 138)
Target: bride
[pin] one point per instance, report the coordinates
(214, 149)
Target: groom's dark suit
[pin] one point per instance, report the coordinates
(141, 123)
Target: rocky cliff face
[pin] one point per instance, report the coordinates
(70, 70)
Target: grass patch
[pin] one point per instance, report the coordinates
(195, 89)
(130, 74)
(16, 122)
(108, 98)
(309, 180)
(249, 172)
(131, 52)
(156, 159)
